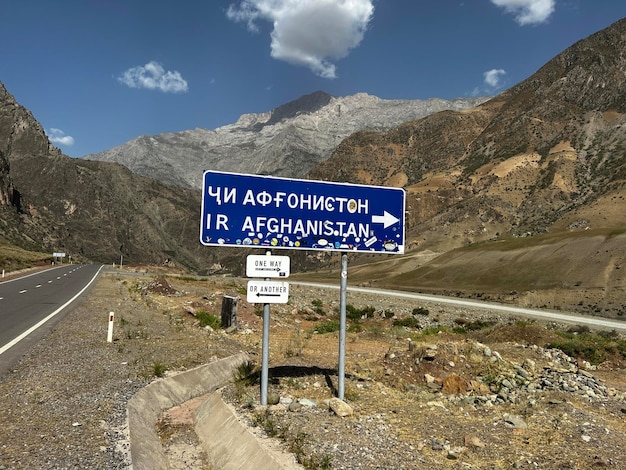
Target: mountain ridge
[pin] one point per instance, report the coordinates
(286, 141)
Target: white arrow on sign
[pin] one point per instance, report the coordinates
(387, 219)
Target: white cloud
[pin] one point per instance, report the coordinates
(154, 77)
(58, 137)
(493, 78)
(528, 11)
(312, 33)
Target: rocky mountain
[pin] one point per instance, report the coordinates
(525, 193)
(95, 211)
(535, 159)
(286, 141)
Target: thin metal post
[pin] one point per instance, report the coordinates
(266, 348)
(342, 325)
(266, 353)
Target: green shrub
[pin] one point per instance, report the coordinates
(318, 307)
(591, 347)
(208, 319)
(420, 311)
(356, 314)
(246, 373)
(329, 326)
(472, 325)
(158, 369)
(409, 322)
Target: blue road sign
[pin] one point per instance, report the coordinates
(270, 212)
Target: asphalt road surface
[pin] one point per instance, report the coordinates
(30, 305)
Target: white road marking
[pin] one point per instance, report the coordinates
(33, 328)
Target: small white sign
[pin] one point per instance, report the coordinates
(267, 292)
(267, 266)
(58, 255)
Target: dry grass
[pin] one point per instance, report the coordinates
(13, 258)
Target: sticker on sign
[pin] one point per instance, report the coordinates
(270, 212)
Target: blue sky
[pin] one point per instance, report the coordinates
(97, 73)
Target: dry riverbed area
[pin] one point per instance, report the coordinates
(428, 386)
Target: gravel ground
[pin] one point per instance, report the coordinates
(64, 403)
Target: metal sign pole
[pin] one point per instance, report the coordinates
(266, 353)
(266, 348)
(342, 325)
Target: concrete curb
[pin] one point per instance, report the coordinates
(228, 443)
(145, 407)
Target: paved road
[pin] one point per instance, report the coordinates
(30, 305)
(564, 317)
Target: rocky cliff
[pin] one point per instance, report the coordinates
(94, 211)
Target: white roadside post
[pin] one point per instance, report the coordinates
(110, 332)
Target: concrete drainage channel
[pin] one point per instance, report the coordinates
(228, 443)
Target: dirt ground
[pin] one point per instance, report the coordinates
(428, 386)
(428, 396)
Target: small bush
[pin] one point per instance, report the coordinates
(318, 307)
(420, 311)
(593, 348)
(265, 421)
(297, 447)
(356, 314)
(329, 326)
(409, 322)
(472, 325)
(208, 319)
(245, 373)
(158, 369)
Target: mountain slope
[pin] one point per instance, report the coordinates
(528, 161)
(525, 193)
(286, 141)
(92, 210)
